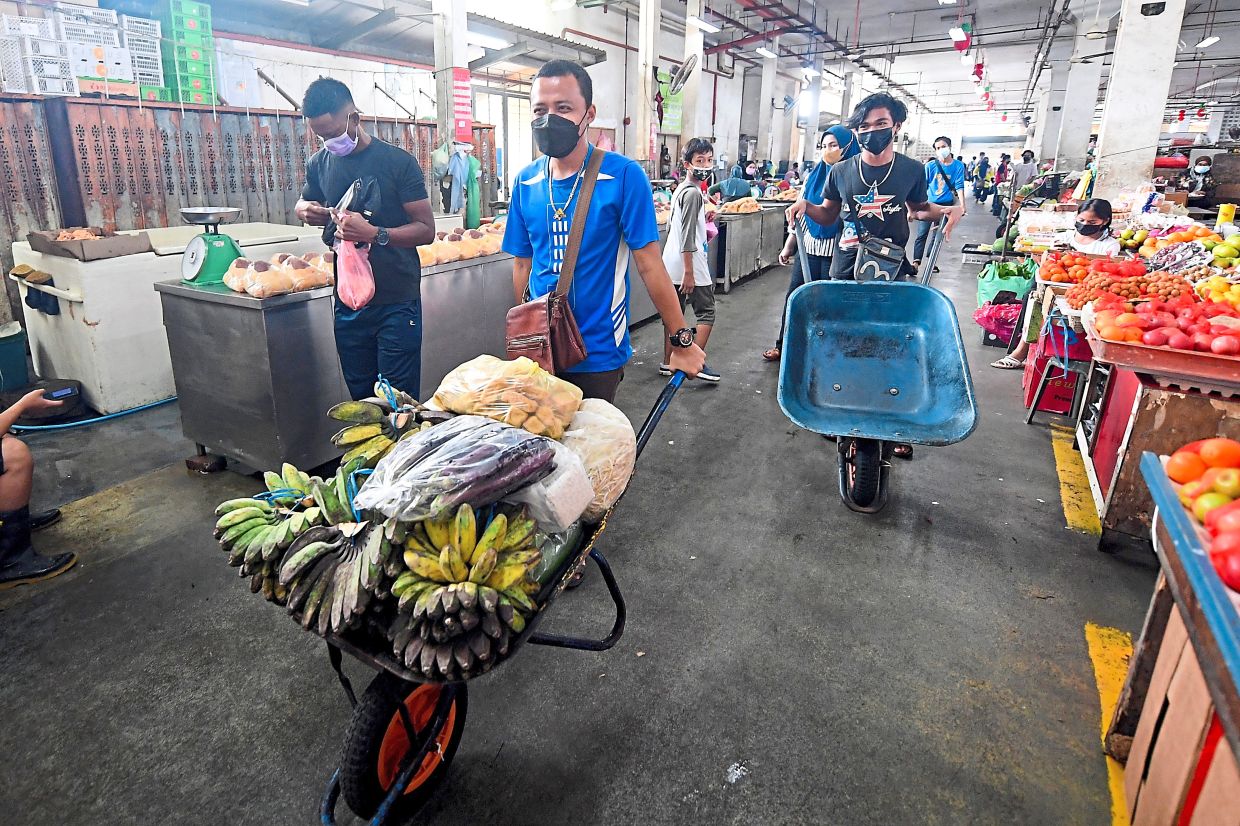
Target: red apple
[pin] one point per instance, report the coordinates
(1155, 338)
(1184, 324)
(1202, 342)
(1228, 568)
(1180, 341)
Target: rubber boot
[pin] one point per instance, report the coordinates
(44, 519)
(19, 563)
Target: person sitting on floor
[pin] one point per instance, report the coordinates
(1092, 236)
(20, 564)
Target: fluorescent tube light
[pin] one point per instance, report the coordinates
(1208, 42)
(762, 51)
(699, 23)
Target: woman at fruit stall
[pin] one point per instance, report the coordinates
(1199, 183)
(838, 143)
(1091, 236)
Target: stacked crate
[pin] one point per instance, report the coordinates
(189, 59)
(100, 60)
(142, 38)
(32, 59)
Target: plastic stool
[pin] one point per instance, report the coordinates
(1065, 365)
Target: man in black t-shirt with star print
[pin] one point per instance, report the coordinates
(877, 192)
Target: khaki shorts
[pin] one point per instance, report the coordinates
(703, 301)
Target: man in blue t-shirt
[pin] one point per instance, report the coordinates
(938, 191)
(621, 221)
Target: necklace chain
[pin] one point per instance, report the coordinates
(861, 173)
(559, 212)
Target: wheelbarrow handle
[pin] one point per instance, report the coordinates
(660, 407)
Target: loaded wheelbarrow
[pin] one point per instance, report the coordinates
(875, 364)
(404, 731)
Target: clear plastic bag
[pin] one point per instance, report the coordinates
(355, 280)
(468, 459)
(516, 392)
(603, 439)
(559, 499)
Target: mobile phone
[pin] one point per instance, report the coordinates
(62, 393)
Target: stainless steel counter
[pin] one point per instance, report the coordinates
(255, 377)
(748, 243)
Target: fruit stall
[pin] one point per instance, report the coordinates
(434, 551)
(1176, 725)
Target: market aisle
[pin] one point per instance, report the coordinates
(785, 660)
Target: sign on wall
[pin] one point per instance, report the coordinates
(672, 105)
(462, 105)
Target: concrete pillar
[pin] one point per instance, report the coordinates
(1132, 114)
(765, 110)
(691, 124)
(1080, 101)
(450, 55)
(812, 113)
(648, 21)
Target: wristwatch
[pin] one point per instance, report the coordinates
(683, 337)
(381, 237)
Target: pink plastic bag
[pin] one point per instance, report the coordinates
(712, 230)
(998, 319)
(355, 281)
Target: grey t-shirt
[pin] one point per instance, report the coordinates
(873, 202)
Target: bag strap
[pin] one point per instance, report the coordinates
(580, 213)
(943, 173)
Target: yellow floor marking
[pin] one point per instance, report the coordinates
(1074, 492)
(1110, 650)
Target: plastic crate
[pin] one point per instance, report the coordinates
(90, 15)
(12, 68)
(189, 68)
(146, 64)
(52, 67)
(140, 44)
(111, 62)
(192, 38)
(156, 94)
(190, 83)
(76, 32)
(41, 27)
(38, 47)
(55, 86)
(191, 96)
(192, 54)
(147, 78)
(189, 8)
(181, 23)
(141, 27)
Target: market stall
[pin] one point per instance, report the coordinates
(1177, 722)
(105, 328)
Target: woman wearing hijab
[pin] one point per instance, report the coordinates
(733, 188)
(836, 144)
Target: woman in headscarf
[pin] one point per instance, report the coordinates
(732, 188)
(836, 144)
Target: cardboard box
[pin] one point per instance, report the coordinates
(108, 88)
(110, 245)
(1216, 804)
(1174, 721)
(1180, 198)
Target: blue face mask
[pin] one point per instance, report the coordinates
(341, 145)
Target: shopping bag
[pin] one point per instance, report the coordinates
(355, 281)
(998, 319)
(998, 276)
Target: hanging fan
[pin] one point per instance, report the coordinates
(681, 76)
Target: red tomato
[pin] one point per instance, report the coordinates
(1155, 338)
(1228, 568)
(1227, 542)
(1227, 523)
(1180, 341)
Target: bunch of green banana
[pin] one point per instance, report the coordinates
(288, 479)
(372, 427)
(332, 574)
(256, 537)
(459, 607)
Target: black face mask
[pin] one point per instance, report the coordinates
(555, 136)
(701, 174)
(1090, 230)
(875, 142)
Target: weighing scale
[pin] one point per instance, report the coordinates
(209, 255)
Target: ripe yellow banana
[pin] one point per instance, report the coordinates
(484, 566)
(426, 567)
(492, 537)
(465, 531)
(438, 532)
(452, 563)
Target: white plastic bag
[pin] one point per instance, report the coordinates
(603, 439)
(557, 501)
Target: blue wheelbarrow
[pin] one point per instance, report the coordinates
(875, 364)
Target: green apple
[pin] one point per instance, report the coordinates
(1209, 243)
(1225, 251)
(1127, 234)
(1207, 502)
(1234, 240)
(1227, 482)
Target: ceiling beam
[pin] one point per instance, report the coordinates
(337, 39)
(491, 56)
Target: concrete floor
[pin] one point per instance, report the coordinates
(785, 661)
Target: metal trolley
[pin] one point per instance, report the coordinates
(404, 731)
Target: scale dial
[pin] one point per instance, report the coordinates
(195, 256)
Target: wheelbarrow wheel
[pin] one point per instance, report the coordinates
(376, 743)
(861, 471)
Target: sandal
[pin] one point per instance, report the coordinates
(771, 354)
(902, 451)
(1008, 363)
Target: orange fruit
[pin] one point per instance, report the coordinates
(1220, 453)
(1183, 468)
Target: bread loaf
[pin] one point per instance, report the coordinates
(234, 279)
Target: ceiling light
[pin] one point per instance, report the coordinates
(810, 72)
(1212, 103)
(698, 23)
(957, 33)
(1208, 42)
(834, 121)
(947, 2)
(486, 41)
(1098, 31)
(762, 51)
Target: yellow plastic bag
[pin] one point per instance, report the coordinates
(518, 392)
